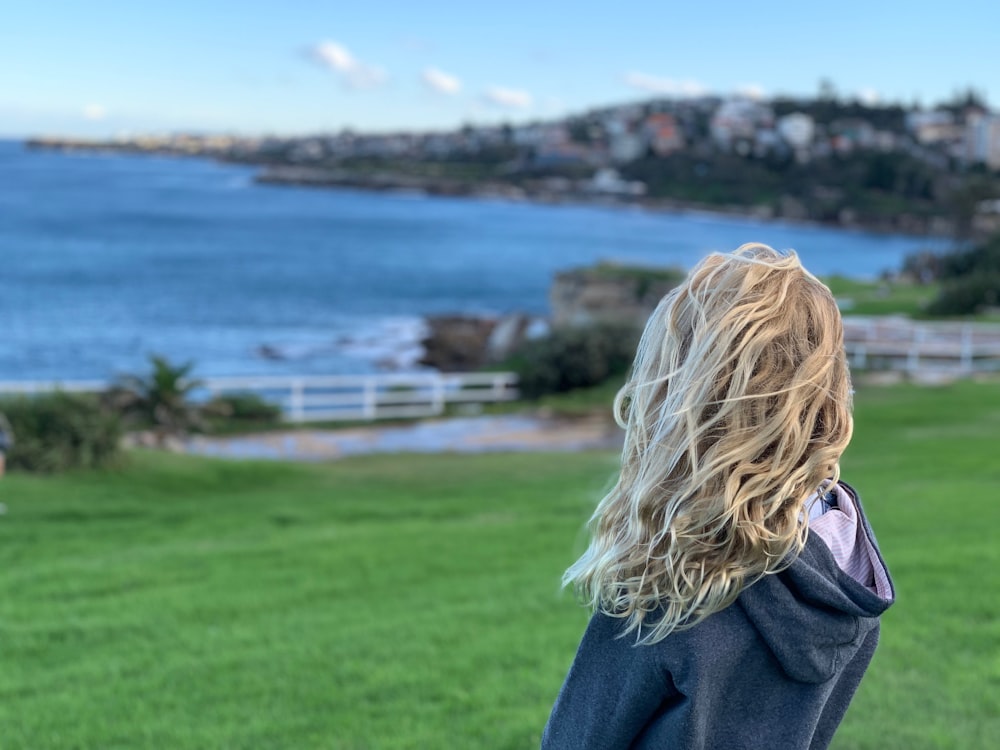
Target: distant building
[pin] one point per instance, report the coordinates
(626, 146)
(797, 130)
(608, 182)
(306, 151)
(562, 154)
(982, 140)
(527, 135)
(663, 134)
(886, 140)
(768, 141)
(936, 126)
(735, 121)
(850, 134)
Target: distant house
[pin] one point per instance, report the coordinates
(663, 134)
(735, 121)
(797, 130)
(306, 151)
(982, 140)
(936, 126)
(851, 134)
(607, 181)
(625, 147)
(539, 134)
(437, 145)
(562, 154)
(769, 141)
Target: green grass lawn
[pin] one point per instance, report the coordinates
(859, 297)
(881, 298)
(413, 602)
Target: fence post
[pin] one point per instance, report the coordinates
(913, 358)
(860, 356)
(437, 395)
(498, 387)
(369, 405)
(966, 356)
(298, 401)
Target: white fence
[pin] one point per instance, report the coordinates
(917, 346)
(337, 397)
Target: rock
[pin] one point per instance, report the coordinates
(267, 351)
(457, 342)
(609, 293)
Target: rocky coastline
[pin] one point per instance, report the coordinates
(563, 191)
(549, 190)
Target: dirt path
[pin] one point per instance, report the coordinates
(459, 435)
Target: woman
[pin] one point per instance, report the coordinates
(736, 583)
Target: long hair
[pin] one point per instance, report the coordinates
(736, 410)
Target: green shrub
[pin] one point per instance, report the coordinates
(984, 258)
(237, 410)
(967, 295)
(55, 432)
(159, 399)
(577, 357)
(971, 280)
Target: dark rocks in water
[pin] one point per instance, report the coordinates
(270, 352)
(457, 343)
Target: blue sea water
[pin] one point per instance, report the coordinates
(105, 259)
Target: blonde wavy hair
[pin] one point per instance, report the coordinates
(736, 411)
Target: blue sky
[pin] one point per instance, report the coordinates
(100, 68)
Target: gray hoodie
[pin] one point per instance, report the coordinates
(774, 671)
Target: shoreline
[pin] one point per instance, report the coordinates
(289, 175)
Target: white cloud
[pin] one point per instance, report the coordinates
(94, 112)
(663, 86)
(443, 83)
(869, 96)
(352, 71)
(751, 91)
(510, 98)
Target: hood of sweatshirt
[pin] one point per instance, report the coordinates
(813, 615)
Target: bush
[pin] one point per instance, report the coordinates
(983, 258)
(967, 295)
(160, 399)
(577, 357)
(240, 410)
(971, 280)
(55, 432)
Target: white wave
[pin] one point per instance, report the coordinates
(391, 343)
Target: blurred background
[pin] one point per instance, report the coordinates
(313, 316)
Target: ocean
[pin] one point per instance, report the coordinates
(107, 258)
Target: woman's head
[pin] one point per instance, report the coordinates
(737, 409)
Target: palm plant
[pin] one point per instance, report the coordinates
(161, 399)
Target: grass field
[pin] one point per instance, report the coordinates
(413, 602)
(881, 298)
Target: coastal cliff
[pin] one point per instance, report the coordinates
(609, 293)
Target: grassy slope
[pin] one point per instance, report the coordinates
(410, 602)
(880, 298)
(894, 298)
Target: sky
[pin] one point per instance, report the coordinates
(97, 68)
